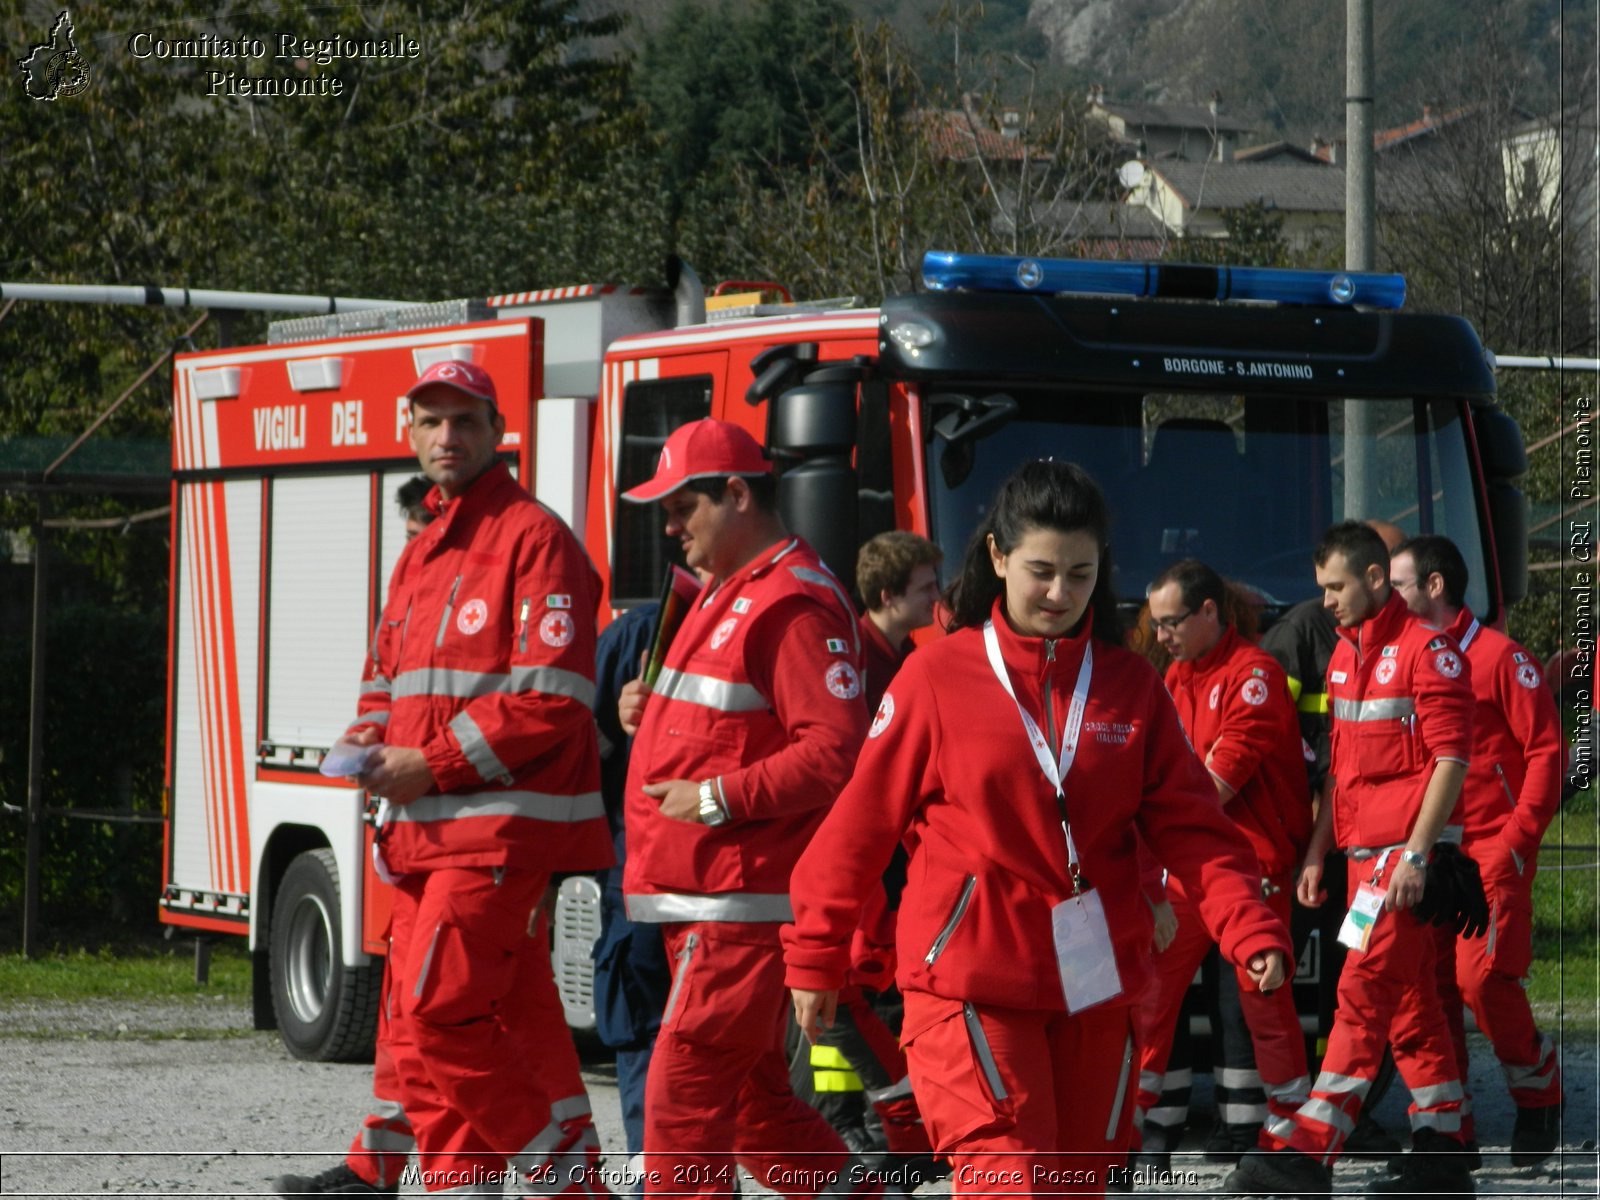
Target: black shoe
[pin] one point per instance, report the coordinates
(1437, 1166)
(1469, 1152)
(335, 1181)
(1370, 1140)
(1284, 1173)
(1536, 1135)
(1228, 1143)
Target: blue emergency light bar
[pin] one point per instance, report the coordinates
(943, 271)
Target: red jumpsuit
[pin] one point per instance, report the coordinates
(1401, 701)
(1511, 794)
(761, 693)
(1236, 709)
(483, 659)
(1010, 1084)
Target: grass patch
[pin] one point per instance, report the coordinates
(1565, 977)
(161, 972)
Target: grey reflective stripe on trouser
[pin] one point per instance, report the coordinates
(1333, 1083)
(1389, 709)
(732, 906)
(1122, 1089)
(475, 747)
(1444, 1122)
(1329, 1114)
(1535, 1077)
(469, 685)
(379, 1137)
(553, 1135)
(1238, 1077)
(1433, 1095)
(980, 1047)
(1242, 1114)
(536, 806)
(895, 1091)
(1290, 1093)
(427, 961)
(709, 692)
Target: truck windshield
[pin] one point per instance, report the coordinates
(1246, 483)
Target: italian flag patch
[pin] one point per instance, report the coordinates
(835, 645)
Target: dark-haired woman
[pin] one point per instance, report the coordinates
(1017, 758)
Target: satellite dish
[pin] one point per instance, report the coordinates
(1131, 173)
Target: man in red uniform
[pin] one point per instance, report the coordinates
(1401, 702)
(475, 712)
(1236, 709)
(1512, 792)
(739, 750)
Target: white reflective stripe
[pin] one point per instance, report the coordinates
(822, 579)
(1293, 1091)
(1238, 1077)
(709, 692)
(1472, 632)
(376, 718)
(536, 1154)
(1432, 1096)
(1537, 1076)
(1173, 1080)
(1149, 1081)
(387, 1141)
(1168, 1116)
(469, 685)
(1242, 1114)
(732, 906)
(1333, 1084)
(377, 684)
(980, 1046)
(476, 749)
(427, 961)
(1121, 1093)
(1389, 709)
(1444, 1122)
(571, 1108)
(1281, 1128)
(1329, 1114)
(536, 806)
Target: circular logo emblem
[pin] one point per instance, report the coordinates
(885, 715)
(1448, 663)
(1385, 671)
(1216, 695)
(472, 616)
(556, 629)
(1254, 691)
(843, 681)
(1528, 675)
(723, 632)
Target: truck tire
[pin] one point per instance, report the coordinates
(327, 1011)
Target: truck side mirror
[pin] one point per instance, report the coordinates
(811, 432)
(1508, 516)
(1500, 444)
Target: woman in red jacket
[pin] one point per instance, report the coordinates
(1017, 759)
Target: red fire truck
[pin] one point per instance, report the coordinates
(1231, 414)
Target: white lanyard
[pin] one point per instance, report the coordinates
(1472, 632)
(1055, 771)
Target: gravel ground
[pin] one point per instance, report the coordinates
(182, 1099)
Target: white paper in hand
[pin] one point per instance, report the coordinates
(346, 760)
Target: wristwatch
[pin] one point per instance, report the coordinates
(711, 810)
(1410, 857)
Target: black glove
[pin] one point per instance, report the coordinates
(1452, 893)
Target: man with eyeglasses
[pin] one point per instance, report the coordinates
(1511, 794)
(1236, 709)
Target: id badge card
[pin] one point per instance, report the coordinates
(1356, 931)
(1084, 956)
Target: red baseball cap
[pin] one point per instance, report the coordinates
(465, 377)
(701, 450)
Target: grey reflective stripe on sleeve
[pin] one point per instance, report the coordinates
(807, 575)
(1390, 709)
(537, 806)
(469, 685)
(375, 718)
(731, 906)
(377, 685)
(709, 692)
(477, 750)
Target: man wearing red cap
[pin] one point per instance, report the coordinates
(747, 737)
(475, 707)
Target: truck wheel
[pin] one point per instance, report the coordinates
(327, 1012)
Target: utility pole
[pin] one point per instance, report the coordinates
(1360, 419)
